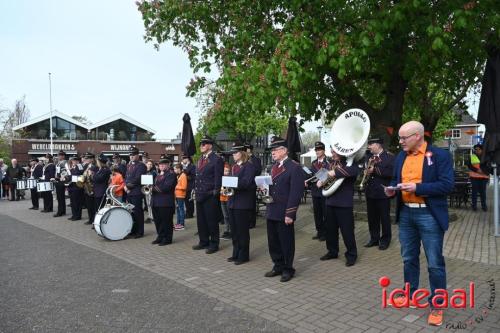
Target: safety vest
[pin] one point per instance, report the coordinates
(476, 162)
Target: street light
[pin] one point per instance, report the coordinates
(50, 100)
(319, 131)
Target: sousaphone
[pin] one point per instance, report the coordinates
(348, 137)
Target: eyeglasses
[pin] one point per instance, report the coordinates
(404, 138)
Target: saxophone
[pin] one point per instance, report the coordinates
(371, 162)
(87, 185)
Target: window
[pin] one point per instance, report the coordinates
(455, 134)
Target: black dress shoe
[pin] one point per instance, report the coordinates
(211, 250)
(138, 236)
(57, 215)
(383, 247)
(77, 219)
(315, 237)
(31, 208)
(371, 244)
(88, 222)
(349, 263)
(156, 241)
(163, 243)
(285, 277)
(71, 218)
(240, 262)
(199, 247)
(322, 239)
(272, 273)
(329, 256)
(231, 259)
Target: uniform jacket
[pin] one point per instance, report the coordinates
(257, 164)
(244, 195)
(76, 171)
(133, 177)
(163, 190)
(37, 171)
(190, 171)
(209, 177)
(437, 182)
(382, 175)
(315, 167)
(122, 169)
(101, 180)
(49, 172)
(287, 190)
(344, 195)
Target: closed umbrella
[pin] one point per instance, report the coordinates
(188, 145)
(489, 115)
(293, 139)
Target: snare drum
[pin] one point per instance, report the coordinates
(31, 183)
(44, 186)
(21, 184)
(113, 223)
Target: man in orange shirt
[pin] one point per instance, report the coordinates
(422, 180)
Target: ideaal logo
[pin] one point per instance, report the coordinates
(441, 299)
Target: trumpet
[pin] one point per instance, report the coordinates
(147, 189)
(227, 191)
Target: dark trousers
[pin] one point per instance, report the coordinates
(479, 187)
(319, 208)
(76, 200)
(48, 201)
(207, 213)
(281, 243)
(137, 214)
(89, 202)
(61, 198)
(189, 205)
(343, 218)
(164, 223)
(253, 213)
(34, 197)
(14, 193)
(379, 214)
(240, 220)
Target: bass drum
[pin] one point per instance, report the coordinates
(113, 223)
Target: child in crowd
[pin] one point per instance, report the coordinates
(180, 196)
(117, 179)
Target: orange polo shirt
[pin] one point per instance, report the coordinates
(412, 173)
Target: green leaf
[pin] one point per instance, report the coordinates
(437, 44)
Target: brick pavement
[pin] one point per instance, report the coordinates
(324, 296)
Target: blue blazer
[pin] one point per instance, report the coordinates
(437, 182)
(244, 195)
(163, 190)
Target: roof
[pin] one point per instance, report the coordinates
(123, 117)
(47, 116)
(464, 118)
(77, 123)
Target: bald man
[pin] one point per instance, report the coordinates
(423, 177)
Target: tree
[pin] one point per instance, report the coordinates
(313, 57)
(309, 138)
(11, 118)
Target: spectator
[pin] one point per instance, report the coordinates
(180, 196)
(14, 172)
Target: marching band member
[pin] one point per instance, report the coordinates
(101, 181)
(75, 193)
(132, 188)
(319, 201)
(163, 203)
(89, 171)
(241, 204)
(150, 170)
(61, 167)
(48, 174)
(339, 210)
(286, 191)
(257, 164)
(190, 171)
(379, 172)
(207, 188)
(36, 173)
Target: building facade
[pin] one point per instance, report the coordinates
(112, 135)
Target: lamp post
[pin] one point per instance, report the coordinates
(319, 131)
(50, 101)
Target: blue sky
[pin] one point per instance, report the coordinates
(99, 62)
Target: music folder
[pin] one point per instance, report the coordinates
(229, 181)
(146, 179)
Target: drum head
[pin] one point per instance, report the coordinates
(115, 223)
